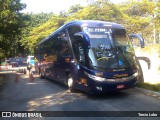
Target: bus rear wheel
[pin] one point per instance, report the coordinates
(41, 74)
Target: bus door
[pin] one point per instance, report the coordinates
(63, 57)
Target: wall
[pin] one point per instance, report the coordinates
(152, 52)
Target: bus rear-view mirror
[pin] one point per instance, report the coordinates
(137, 40)
(84, 38)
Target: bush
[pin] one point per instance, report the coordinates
(153, 87)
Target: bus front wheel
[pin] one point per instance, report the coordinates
(70, 83)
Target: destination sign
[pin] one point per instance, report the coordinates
(95, 29)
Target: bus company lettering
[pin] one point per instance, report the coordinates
(51, 58)
(120, 75)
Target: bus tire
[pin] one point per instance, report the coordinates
(70, 83)
(41, 75)
(140, 76)
(24, 71)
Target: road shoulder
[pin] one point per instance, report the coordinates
(148, 92)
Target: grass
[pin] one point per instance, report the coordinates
(150, 49)
(153, 87)
(153, 52)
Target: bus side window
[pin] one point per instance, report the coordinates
(72, 30)
(64, 52)
(46, 50)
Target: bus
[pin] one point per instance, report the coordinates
(91, 56)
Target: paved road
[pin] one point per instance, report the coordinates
(45, 95)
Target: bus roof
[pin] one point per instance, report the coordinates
(83, 23)
(95, 23)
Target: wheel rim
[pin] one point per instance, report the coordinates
(70, 82)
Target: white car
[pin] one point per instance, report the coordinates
(30, 60)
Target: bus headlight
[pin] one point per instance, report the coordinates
(135, 74)
(131, 77)
(112, 80)
(95, 77)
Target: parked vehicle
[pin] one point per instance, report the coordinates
(18, 64)
(30, 60)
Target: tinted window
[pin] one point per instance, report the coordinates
(72, 30)
(64, 50)
(110, 48)
(77, 45)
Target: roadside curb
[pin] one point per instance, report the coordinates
(148, 92)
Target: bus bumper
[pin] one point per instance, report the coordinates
(105, 87)
(97, 87)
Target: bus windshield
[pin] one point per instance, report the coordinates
(109, 48)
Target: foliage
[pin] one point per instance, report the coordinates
(31, 32)
(157, 13)
(40, 32)
(153, 87)
(106, 12)
(74, 9)
(138, 17)
(11, 22)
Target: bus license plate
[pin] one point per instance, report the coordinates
(120, 86)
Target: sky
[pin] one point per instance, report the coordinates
(55, 6)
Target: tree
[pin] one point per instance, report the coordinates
(137, 17)
(63, 13)
(38, 33)
(74, 9)
(11, 22)
(100, 10)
